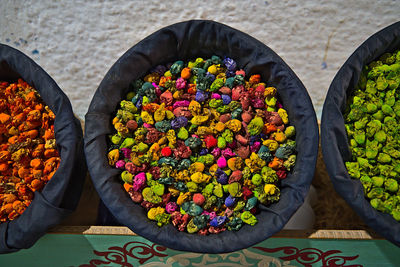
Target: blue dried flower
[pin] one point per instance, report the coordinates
(218, 221)
(230, 201)
(210, 77)
(230, 64)
(179, 122)
(223, 178)
(226, 99)
(203, 151)
(160, 70)
(201, 96)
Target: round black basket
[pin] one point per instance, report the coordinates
(184, 41)
(334, 140)
(61, 194)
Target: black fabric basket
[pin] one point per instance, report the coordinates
(61, 194)
(335, 145)
(184, 41)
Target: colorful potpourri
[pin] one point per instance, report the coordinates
(28, 153)
(373, 128)
(200, 147)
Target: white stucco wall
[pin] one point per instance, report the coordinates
(76, 42)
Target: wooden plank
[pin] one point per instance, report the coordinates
(313, 234)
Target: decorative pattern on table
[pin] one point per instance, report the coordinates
(151, 255)
(309, 256)
(119, 255)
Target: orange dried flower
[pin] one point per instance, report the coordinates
(49, 134)
(48, 153)
(9, 198)
(36, 163)
(28, 155)
(3, 167)
(256, 78)
(185, 74)
(276, 163)
(38, 151)
(4, 118)
(36, 184)
(32, 134)
(127, 187)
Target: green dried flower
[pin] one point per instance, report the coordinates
(359, 136)
(396, 213)
(235, 224)
(268, 175)
(391, 185)
(163, 219)
(117, 139)
(128, 106)
(183, 133)
(360, 125)
(234, 105)
(354, 169)
(387, 110)
(371, 108)
(223, 109)
(208, 190)
(377, 204)
(381, 83)
(376, 192)
(215, 103)
(228, 136)
(206, 159)
(363, 163)
(256, 179)
(355, 114)
(380, 136)
(148, 195)
(248, 218)
(378, 115)
(372, 149)
(210, 202)
(377, 181)
(373, 127)
(384, 158)
(255, 126)
(126, 177)
(191, 227)
(216, 85)
(366, 182)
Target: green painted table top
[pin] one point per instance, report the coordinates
(130, 250)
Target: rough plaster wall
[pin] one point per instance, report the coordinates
(76, 42)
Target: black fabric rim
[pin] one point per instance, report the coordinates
(187, 40)
(334, 137)
(61, 194)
